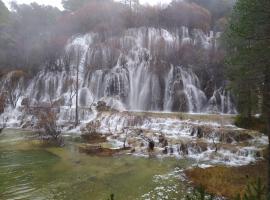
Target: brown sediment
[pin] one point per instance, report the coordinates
(98, 150)
(94, 138)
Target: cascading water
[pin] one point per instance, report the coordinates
(183, 91)
(203, 140)
(131, 72)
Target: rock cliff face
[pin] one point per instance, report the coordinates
(141, 69)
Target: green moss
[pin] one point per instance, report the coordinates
(253, 123)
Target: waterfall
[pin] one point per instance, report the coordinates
(221, 101)
(183, 91)
(130, 71)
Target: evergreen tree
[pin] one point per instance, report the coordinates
(4, 14)
(74, 5)
(248, 53)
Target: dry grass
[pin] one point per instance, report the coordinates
(227, 181)
(222, 119)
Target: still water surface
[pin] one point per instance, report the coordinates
(28, 171)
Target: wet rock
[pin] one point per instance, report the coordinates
(94, 138)
(165, 150)
(171, 150)
(258, 154)
(199, 132)
(162, 141)
(242, 137)
(91, 127)
(193, 132)
(151, 145)
(133, 150)
(193, 147)
(97, 150)
(197, 147)
(59, 102)
(142, 144)
(221, 134)
(27, 124)
(134, 120)
(102, 107)
(183, 148)
(229, 140)
(229, 136)
(25, 102)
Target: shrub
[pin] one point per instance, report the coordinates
(111, 197)
(46, 123)
(254, 191)
(253, 123)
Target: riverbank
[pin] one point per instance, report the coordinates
(228, 181)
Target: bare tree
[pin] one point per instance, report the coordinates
(78, 64)
(4, 124)
(71, 85)
(126, 132)
(47, 125)
(212, 136)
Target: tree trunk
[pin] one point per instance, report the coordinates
(77, 91)
(266, 106)
(249, 111)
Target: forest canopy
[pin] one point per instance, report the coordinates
(33, 36)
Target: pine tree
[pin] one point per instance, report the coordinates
(4, 14)
(248, 52)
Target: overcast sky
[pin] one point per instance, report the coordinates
(57, 3)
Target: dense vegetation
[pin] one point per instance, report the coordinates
(33, 36)
(247, 41)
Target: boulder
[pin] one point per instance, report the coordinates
(102, 107)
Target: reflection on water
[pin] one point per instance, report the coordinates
(28, 171)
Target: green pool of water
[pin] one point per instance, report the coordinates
(28, 171)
